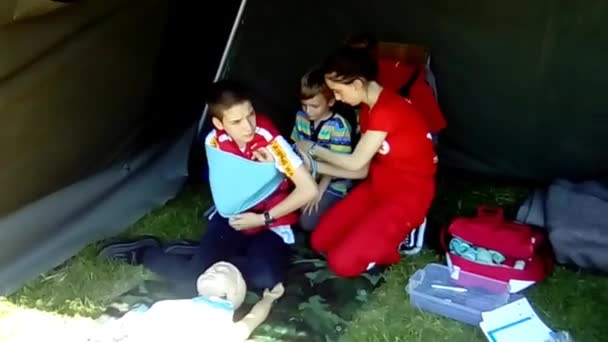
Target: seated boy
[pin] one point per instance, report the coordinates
(317, 123)
(257, 241)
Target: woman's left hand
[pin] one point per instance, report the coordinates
(246, 221)
(304, 146)
(312, 206)
(306, 162)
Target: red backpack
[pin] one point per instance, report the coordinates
(526, 252)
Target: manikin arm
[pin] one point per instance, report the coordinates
(258, 314)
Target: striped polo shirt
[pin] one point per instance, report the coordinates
(334, 134)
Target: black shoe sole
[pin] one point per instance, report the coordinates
(124, 247)
(182, 247)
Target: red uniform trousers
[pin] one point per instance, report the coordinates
(366, 227)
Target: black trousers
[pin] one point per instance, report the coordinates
(263, 258)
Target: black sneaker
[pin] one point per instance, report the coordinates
(129, 251)
(414, 242)
(182, 247)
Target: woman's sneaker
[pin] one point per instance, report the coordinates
(414, 242)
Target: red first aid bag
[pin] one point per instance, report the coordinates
(527, 254)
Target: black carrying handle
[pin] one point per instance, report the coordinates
(405, 89)
(490, 211)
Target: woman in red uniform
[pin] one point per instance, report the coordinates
(397, 75)
(394, 156)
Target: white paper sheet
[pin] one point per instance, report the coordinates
(519, 285)
(512, 321)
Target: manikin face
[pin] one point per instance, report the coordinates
(238, 122)
(223, 280)
(352, 93)
(317, 107)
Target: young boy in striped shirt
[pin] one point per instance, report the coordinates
(316, 122)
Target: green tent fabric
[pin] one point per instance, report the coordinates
(99, 102)
(16, 10)
(74, 89)
(521, 83)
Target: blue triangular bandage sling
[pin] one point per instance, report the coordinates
(238, 184)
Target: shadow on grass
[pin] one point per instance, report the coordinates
(85, 286)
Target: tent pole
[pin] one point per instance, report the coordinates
(221, 67)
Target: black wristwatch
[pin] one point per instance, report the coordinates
(268, 220)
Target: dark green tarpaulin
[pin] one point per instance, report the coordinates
(99, 102)
(521, 82)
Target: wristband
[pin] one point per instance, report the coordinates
(311, 150)
(268, 220)
(311, 161)
(313, 166)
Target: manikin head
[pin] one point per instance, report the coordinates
(315, 96)
(225, 281)
(348, 72)
(232, 111)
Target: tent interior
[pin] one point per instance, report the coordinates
(101, 101)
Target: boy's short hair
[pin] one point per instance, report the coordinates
(313, 84)
(224, 94)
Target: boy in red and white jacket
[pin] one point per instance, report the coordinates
(257, 241)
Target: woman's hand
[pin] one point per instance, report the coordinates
(304, 146)
(246, 221)
(312, 206)
(306, 162)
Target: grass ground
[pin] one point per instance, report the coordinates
(573, 301)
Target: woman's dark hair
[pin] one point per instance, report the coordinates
(348, 64)
(362, 40)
